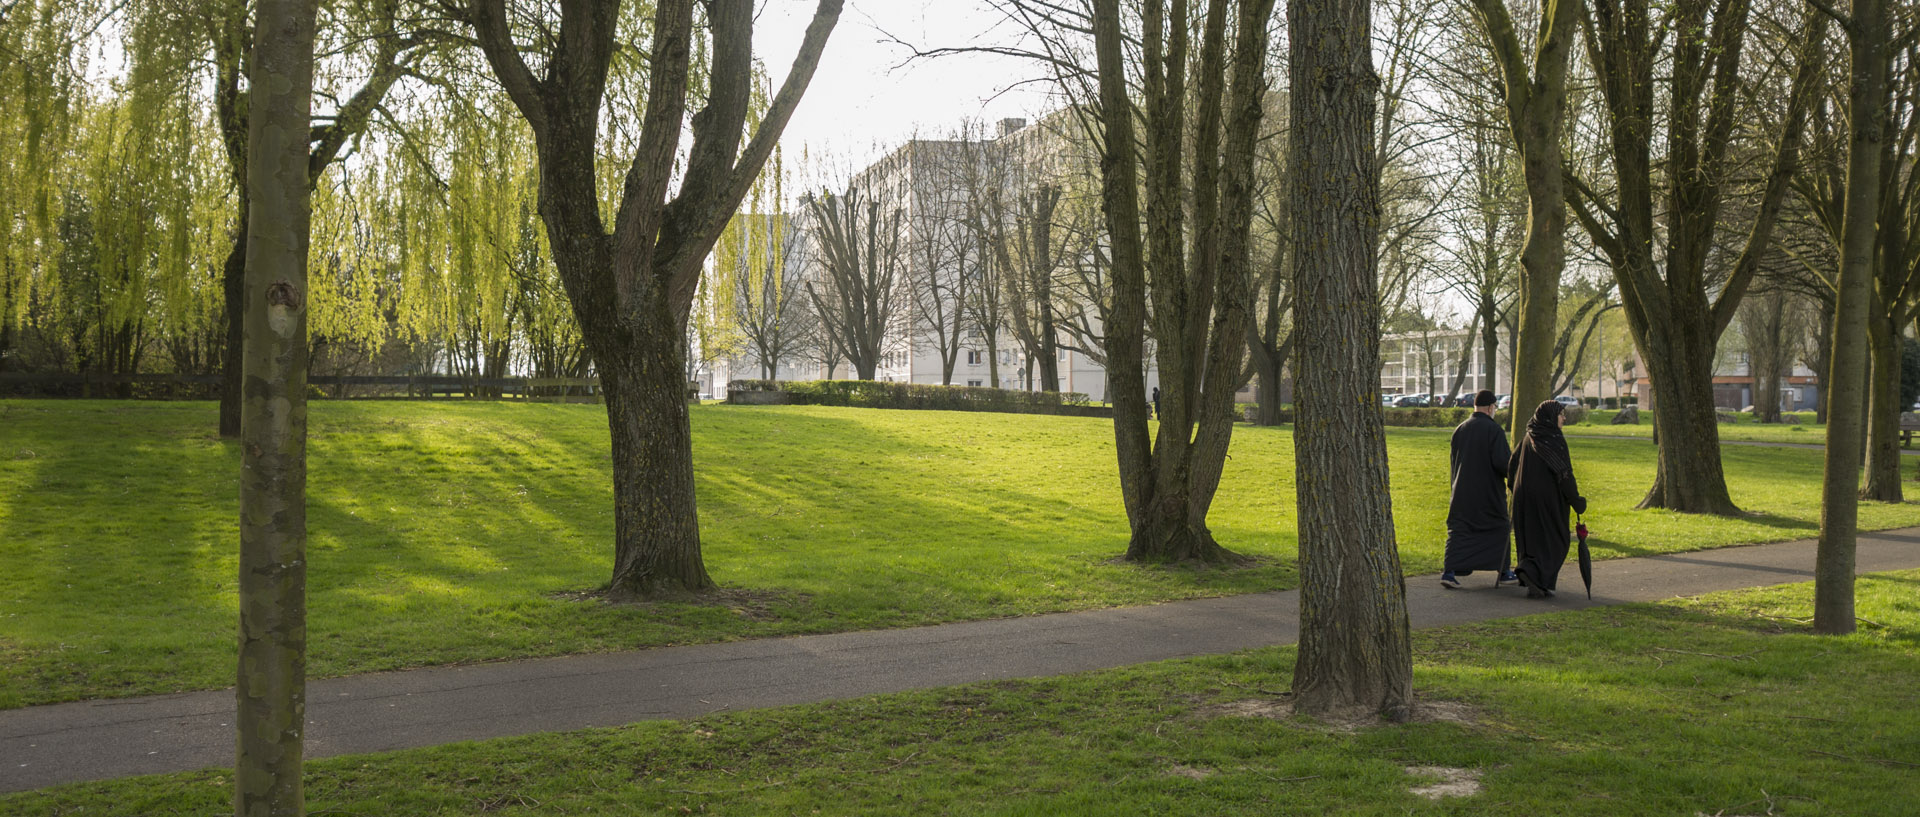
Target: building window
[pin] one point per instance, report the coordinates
(1063, 353)
(973, 358)
(974, 383)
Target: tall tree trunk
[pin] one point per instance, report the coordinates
(1489, 343)
(1883, 412)
(632, 286)
(1536, 101)
(1354, 649)
(1168, 482)
(1833, 571)
(270, 684)
(1687, 475)
(656, 526)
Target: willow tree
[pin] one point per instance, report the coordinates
(632, 283)
(42, 85)
(1660, 230)
(374, 51)
(1198, 253)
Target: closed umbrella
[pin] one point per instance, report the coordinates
(1586, 556)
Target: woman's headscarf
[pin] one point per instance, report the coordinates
(1543, 434)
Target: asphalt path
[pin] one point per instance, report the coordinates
(1911, 452)
(96, 740)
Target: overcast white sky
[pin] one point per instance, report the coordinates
(863, 101)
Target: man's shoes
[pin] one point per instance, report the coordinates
(1535, 593)
(1448, 581)
(1503, 578)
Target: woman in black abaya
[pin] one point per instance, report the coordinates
(1541, 474)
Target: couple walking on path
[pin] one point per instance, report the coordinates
(1537, 476)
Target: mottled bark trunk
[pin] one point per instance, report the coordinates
(1354, 650)
(656, 524)
(1833, 572)
(1267, 372)
(270, 684)
(1883, 412)
(1688, 476)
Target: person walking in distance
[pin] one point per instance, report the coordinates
(1541, 473)
(1477, 525)
(1156, 402)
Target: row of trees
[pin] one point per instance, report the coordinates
(550, 143)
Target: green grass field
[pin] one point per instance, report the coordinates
(1723, 705)
(1743, 429)
(459, 532)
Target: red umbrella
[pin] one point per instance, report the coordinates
(1586, 556)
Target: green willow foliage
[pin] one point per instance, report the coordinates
(121, 198)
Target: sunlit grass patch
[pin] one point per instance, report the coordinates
(453, 532)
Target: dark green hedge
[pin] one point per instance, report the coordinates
(877, 394)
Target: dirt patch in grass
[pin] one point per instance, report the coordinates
(749, 605)
(1190, 772)
(1453, 782)
(1281, 709)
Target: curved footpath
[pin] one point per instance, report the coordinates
(1910, 452)
(94, 740)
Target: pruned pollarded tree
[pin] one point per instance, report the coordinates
(270, 686)
(1535, 93)
(769, 298)
(976, 171)
(1658, 228)
(1026, 247)
(1354, 648)
(632, 283)
(859, 294)
(944, 255)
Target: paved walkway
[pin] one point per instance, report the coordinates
(93, 740)
(1910, 452)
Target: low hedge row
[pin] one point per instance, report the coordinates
(1439, 417)
(879, 394)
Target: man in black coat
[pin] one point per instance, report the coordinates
(1477, 512)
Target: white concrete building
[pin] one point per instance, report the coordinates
(926, 181)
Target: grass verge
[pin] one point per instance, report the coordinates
(1723, 705)
(460, 532)
(1743, 429)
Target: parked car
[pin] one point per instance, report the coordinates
(1567, 400)
(1504, 401)
(1411, 401)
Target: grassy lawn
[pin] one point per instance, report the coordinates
(1723, 705)
(1743, 429)
(459, 532)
